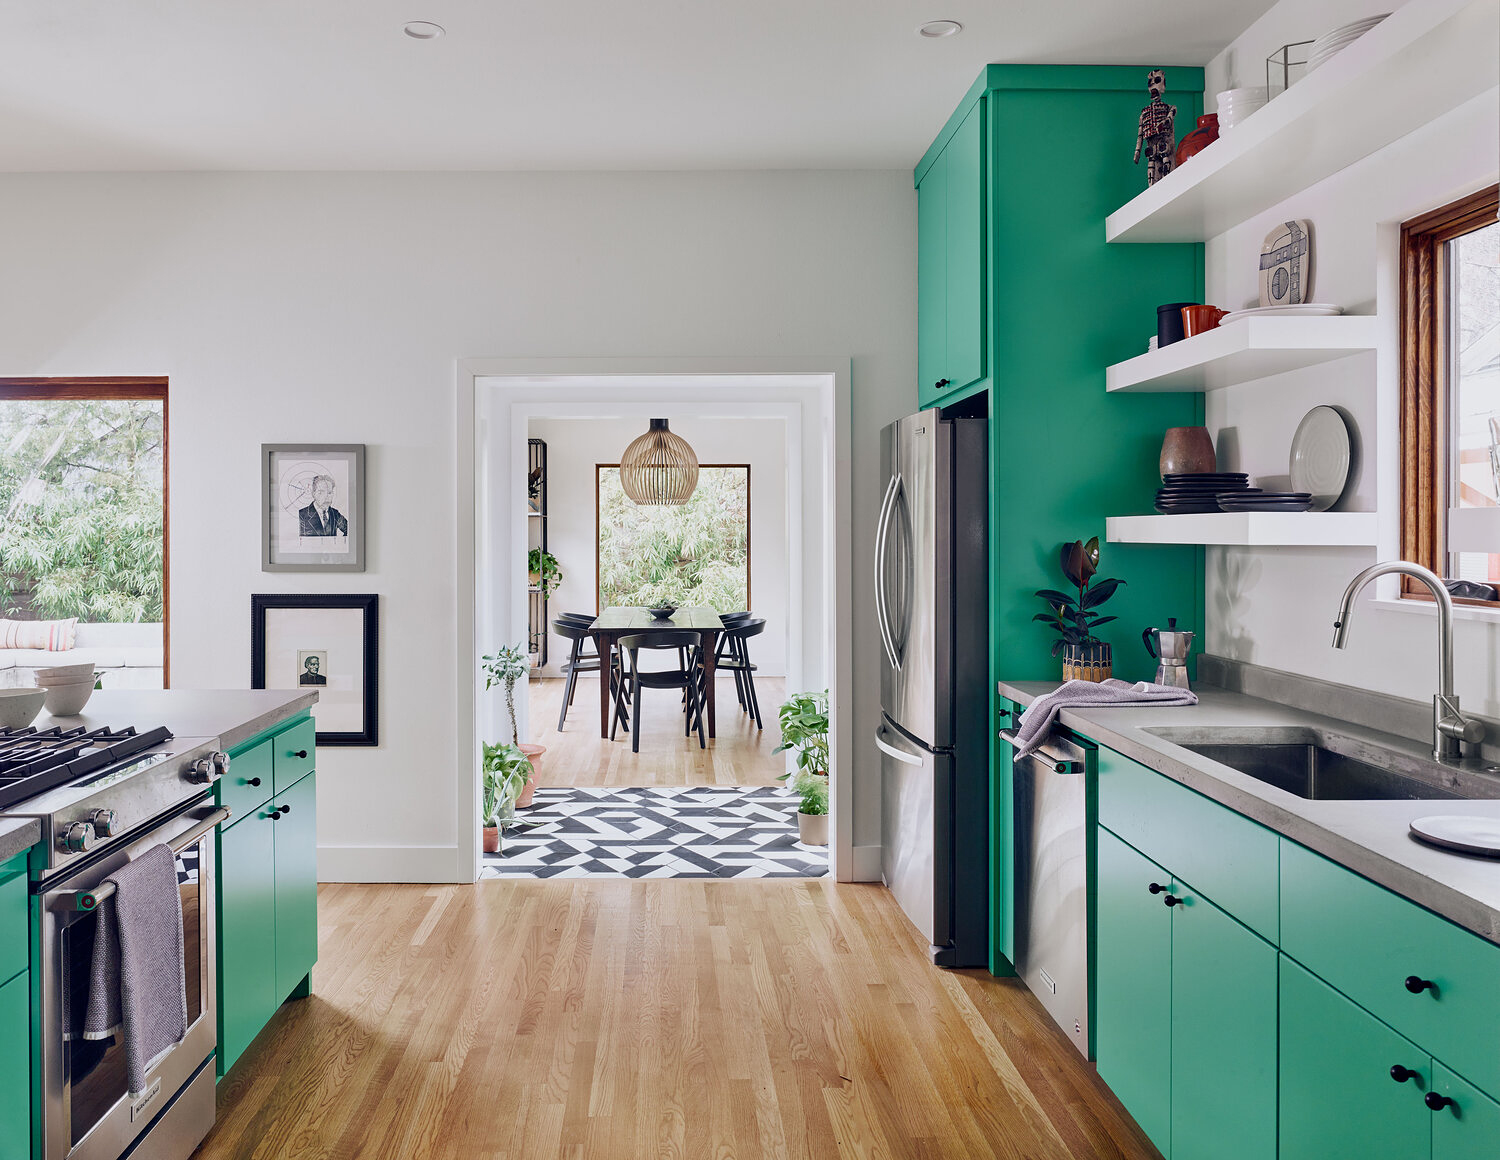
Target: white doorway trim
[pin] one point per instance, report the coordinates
(488, 462)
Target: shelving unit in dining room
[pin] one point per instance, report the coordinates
(536, 537)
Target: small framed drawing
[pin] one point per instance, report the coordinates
(330, 643)
(313, 507)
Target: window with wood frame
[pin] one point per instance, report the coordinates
(1450, 397)
(83, 488)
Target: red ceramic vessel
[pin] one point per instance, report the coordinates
(1200, 138)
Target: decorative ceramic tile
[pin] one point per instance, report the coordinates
(661, 832)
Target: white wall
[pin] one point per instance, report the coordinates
(306, 307)
(1276, 607)
(575, 446)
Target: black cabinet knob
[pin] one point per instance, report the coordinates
(1402, 1074)
(302, 753)
(941, 383)
(252, 781)
(274, 815)
(1437, 1103)
(1156, 888)
(1172, 900)
(286, 809)
(1417, 985)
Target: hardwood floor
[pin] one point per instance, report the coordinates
(579, 756)
(618, 1020)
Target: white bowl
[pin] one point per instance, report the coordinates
(66, 682)
(68, 700)
(64, 670)
(19, 707)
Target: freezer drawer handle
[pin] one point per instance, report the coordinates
(886, 747)
(1041, 755)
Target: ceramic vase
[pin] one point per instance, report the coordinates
(1088, 662)
(1199, 139)
(491, 839)
(812, 829)
(1187, 451)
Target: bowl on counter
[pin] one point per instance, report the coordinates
(67, 700)
(64, 672)
(19, 707)
(86, 678)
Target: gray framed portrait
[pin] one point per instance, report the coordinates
(313, 507)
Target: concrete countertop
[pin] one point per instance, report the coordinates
(18, 834)
(1369, 837)
(231, 715)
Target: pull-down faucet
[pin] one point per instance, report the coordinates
(1450, 728)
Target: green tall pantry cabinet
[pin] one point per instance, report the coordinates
(1021, 306)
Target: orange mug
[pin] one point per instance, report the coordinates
(1197, 319)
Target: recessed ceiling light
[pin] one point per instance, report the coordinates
(934, 29)
(423, 30)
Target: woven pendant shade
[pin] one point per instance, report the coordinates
(659, 467)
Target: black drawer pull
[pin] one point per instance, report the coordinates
(252, 781)
(1417, 985)
(1437, 1103)
(940, 384)
(286, 809)
(302, 753)
(1172, 900)
(1402, 1074)
(1156, 888)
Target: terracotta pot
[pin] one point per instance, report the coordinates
(812, 829)
(534, 755)
(1199, 139)
(1088, 662)
(491, 839)
(1187, 450)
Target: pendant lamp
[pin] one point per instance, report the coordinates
(659, 467)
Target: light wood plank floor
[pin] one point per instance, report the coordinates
(579, 756)
(617, 1020)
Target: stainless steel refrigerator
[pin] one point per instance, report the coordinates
(932, 613)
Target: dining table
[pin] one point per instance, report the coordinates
(614, 622)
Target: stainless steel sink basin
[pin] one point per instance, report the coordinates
(1326, 766)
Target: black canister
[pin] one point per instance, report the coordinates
(1169, 323)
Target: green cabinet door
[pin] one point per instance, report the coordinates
(1223, 1036)
(963, 178)
(15, 1069)
(932, 280)
(296, 884)
(1340, 1099)
(247, 932)
(1469, 1129)
(1133, 986)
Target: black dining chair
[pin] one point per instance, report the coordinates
(580, 661)
(735, 657)
(687, 677)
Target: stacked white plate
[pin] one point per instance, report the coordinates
(1302, 310)
(1237, 104)
(1330, 44)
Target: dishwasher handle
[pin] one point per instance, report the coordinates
(1047, 754)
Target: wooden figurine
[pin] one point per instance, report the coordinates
(1156, 130)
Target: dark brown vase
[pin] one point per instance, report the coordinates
(1187, 451)
(1199, 139)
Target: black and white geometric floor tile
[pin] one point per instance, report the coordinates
(661, 832)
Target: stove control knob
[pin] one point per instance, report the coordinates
(104, 822)
(221, 763)
(77, 838)
(201, 772)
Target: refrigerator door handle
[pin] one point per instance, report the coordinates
(882, 532)
(907, 756)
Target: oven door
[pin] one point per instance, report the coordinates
(87, 1112)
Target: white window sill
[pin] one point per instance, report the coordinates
(1428, 608)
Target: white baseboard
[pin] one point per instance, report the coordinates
(866, 864)
(388, 864)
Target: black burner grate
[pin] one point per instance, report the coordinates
(32, 761)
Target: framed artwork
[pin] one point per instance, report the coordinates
(330, 643)
(313, 507)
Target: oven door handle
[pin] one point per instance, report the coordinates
(85, 900)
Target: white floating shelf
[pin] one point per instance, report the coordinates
(1428, 57)
(1241, 351)
(1248, 529)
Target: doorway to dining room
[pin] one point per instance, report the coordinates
(659, 804)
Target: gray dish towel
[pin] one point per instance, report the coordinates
(137, 981)
(1037, 718)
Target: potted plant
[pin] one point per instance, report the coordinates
(506, 774)
(804, 731)
(505, 667)
(1085, 657)
(544, 571)
(812, 809)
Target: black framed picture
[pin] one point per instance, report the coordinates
(329, 643)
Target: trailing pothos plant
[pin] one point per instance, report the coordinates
(804, 731)
(1073, 615)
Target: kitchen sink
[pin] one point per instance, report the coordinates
(1323, 765)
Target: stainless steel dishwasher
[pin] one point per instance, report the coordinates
(1052, 880)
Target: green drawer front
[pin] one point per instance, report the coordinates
(15, 925)
(249, 783)
(293, 750)
(15, 1069)
(1366, 941)
(1225, 857)
(1470, 1131)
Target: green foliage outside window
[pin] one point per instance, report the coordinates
(81, 492)
(697, 553)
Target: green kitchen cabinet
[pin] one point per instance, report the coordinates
(247, 931)
(15, 1068)
(1469, 1127)
(296, 884)
(15, 920)
(1341, 1095)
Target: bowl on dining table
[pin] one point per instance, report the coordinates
(662, 611)
(19, 707)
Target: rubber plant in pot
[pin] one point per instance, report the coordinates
(543, 571)
(506, 773)
(1074, 616)
(804, 731)
(505, 667)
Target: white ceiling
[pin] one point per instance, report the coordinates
(533, 85)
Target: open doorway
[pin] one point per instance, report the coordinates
(787, 428)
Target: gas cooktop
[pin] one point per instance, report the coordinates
(32, 761)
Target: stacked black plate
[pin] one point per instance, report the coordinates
(1266, 501)
(1200, 492)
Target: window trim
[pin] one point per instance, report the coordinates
(1424, 426)
(599, 468)
(127, 388)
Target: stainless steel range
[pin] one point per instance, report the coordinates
(102, 797)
